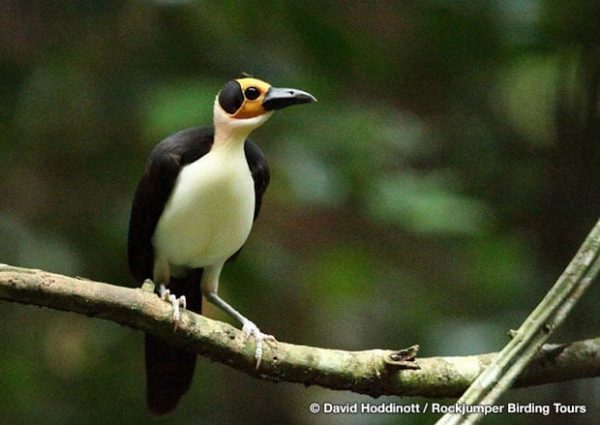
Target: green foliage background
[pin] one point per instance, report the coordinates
(432, 196)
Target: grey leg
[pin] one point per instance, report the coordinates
(248, 327)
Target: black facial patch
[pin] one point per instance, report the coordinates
(231, 97)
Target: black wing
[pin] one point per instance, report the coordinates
(261, 176)
(153, 191)
(260, 172)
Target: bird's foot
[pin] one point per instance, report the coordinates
(166, 295)
(250, 328)
(148, 286)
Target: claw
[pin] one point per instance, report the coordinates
(250, 328)
(176, 303)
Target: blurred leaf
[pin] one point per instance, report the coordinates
(29, 248)
(177, 105)
(425, 205)
(312, 179)
(526, 94)
(501, 269)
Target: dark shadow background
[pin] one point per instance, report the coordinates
(445, 178)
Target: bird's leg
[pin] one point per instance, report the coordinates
(166, 295)
(248, 327)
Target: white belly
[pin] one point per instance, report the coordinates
(210, 212)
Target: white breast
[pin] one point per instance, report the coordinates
(209, 214)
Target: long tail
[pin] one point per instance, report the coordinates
(169, 370)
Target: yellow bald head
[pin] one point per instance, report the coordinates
(243, 98)
(248, 97)
(254, 92)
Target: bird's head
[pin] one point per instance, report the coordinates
(247, 103)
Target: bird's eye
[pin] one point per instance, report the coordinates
(251, 93)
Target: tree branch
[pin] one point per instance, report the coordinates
(373, 372)
(535, 330)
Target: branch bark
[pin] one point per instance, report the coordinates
(373, 372)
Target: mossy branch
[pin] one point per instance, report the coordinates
(373, 372)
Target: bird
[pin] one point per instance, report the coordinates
(193, 209)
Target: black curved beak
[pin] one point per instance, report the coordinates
(278, 98)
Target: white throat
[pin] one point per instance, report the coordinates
(233, 131)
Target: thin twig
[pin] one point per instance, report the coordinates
(529, 338)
